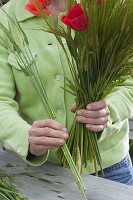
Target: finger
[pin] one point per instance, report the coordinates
(37, 150)
(97, 105)
(94, 128)
(98, 121)
(73, 109)
(42, 148)
(46, 141)
(49, 123)
(93, 114)
(47, 132)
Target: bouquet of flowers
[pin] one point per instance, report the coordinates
(99, 37)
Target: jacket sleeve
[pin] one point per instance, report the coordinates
(120, 104)
(120, 101)
(13, 129)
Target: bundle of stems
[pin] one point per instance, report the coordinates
(18, 44)
(7, 190)
(99, 58)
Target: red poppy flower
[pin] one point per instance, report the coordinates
(76, 19)
(38, 7)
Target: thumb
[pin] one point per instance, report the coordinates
(73, 108)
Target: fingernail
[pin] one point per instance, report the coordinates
(88, 107)
(64, 129)
(77, 119)
(87, 126)
(62, 142)
(65, 136)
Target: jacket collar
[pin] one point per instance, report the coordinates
(21, 13)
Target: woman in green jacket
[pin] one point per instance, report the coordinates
(24, 127)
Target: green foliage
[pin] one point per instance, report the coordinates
(102, 57)
(7, 190)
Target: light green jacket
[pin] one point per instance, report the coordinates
(16, 116)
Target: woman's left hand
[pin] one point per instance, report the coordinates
(95, 116)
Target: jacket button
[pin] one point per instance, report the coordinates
(63, 40)
(59, 111)
(58, 77)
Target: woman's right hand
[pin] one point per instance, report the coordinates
(46, 134)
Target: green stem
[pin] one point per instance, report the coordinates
(74, 170)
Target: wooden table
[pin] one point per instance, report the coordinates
(51, 182)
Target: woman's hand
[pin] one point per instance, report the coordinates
(95, 116)
(46, 134)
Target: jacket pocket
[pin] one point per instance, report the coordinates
(13, 62)
(22, 81)
(114, 128)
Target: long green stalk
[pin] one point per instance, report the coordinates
(27, 63)
(102, 59)
(7, 190)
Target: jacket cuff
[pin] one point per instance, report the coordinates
(37, 160)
